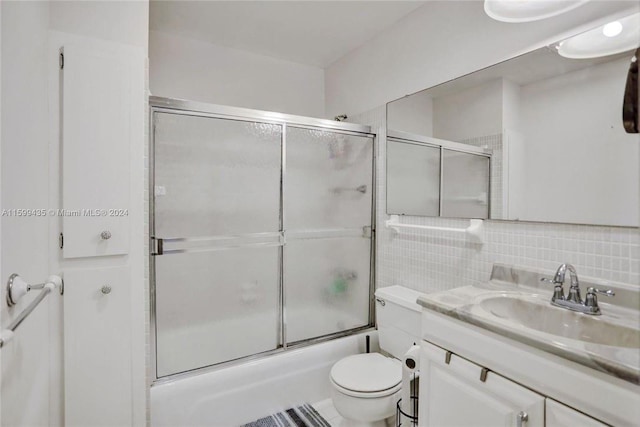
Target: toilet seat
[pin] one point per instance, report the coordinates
(369, 375)
(366, 395)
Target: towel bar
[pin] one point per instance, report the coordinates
(17, 288)
(474, 232)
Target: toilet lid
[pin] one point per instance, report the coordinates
(368, 372)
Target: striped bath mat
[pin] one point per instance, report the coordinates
(301, 416)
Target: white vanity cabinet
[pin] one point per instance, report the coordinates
(456, 392)
(559, 415)
(552, 390)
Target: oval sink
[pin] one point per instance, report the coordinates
(561, 322)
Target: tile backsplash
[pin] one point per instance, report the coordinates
(430, 261)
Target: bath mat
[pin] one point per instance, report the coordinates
(301, 416)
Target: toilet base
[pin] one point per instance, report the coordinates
(363, 412)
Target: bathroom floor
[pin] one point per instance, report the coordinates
(328, 412)
(331, 415)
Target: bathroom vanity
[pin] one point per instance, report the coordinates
(501, 354)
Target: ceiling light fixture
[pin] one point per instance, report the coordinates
(612, 29)
(609, 39)
(528, 10)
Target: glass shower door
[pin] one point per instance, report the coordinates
(217, 213)
(328, 213)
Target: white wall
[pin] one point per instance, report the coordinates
(569, 149)
(190, 69)
(480, 109)
(413, 114)
(510, 105)
(118, 21)
(30, 391)
(438, 42)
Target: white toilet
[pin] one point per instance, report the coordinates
(366, 387)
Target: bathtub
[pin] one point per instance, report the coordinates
(245, 392)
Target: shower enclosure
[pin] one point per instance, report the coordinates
(261, 232)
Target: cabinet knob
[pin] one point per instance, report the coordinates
(522, 419)
(105, 235)
(106, 289)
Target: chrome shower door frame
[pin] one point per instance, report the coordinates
(191, 108)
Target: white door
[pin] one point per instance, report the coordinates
(558, 415)
(453, 394)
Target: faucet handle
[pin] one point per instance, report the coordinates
(591, 300)
(607, 292)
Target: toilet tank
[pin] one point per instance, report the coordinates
(398, 319)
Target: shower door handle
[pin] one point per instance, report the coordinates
(159, 246)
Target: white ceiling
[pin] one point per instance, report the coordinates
(308, 32)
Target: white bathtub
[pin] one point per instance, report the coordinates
(245, 392)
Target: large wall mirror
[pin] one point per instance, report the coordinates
(539, 137)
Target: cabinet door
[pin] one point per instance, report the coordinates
(97, 347)
(100, 123)
(452, 394)
(558, 415)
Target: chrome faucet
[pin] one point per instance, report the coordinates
(574, 301)
(574, 290)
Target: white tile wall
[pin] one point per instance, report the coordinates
(430, 261)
